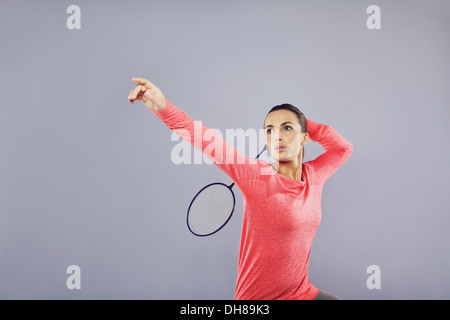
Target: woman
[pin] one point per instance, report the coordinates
(281, 201)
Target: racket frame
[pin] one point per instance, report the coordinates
(229, 217)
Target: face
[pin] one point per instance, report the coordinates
(282, 128)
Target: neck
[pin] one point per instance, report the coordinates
(289, 169)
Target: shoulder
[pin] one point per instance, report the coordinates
(261, 170)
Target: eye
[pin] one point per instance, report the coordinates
(268, 131)
(288, 127)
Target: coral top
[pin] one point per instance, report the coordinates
(281, 215)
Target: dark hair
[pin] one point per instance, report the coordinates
(301, 117)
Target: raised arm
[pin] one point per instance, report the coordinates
(337, 149)
(237, 166)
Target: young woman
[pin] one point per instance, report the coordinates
(282, 201)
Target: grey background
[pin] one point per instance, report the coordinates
(87, 179)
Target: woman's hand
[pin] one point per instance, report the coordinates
(148, 93)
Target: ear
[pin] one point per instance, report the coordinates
(305, 139)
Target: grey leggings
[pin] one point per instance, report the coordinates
(324, 295)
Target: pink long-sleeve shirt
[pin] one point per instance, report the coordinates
(281, 215)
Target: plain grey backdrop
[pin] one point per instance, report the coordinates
(87, 179)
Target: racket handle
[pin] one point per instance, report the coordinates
(264, 149)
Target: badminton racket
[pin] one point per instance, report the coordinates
(212, 208)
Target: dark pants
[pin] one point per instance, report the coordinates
(324, 295)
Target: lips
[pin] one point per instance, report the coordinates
(280, 148)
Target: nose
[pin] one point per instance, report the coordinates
(277, 136)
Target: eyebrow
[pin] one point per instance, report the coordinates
(281, 124)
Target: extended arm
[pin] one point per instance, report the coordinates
(237, 166)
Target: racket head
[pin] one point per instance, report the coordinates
(211, 209)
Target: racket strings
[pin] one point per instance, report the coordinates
(211, 209)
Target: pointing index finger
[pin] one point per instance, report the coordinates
(144, 82)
